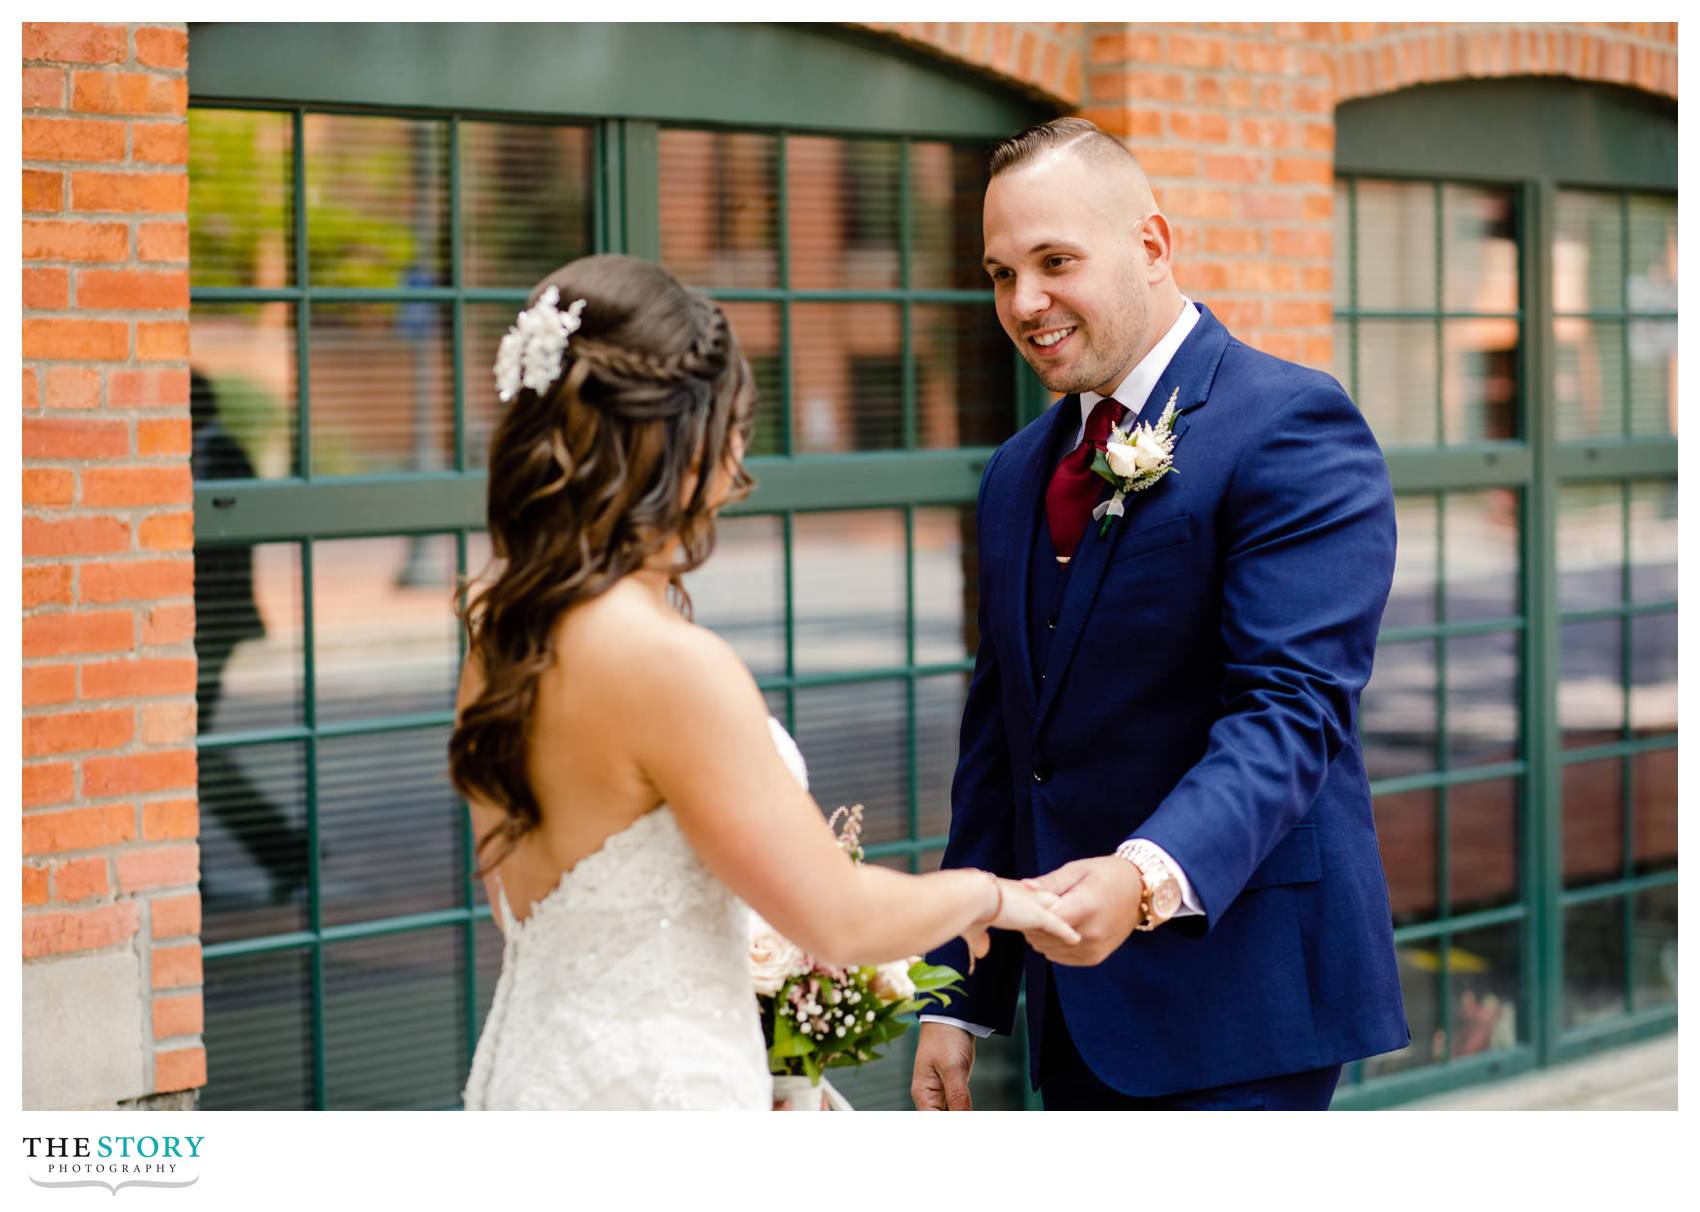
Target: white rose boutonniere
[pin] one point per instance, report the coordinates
(1134, 459)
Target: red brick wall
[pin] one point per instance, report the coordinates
(109, 810)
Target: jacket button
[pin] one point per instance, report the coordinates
(1041, 774)
(1051, 622)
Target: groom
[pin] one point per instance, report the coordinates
(1163, 714)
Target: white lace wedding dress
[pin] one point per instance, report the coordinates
(628, 986)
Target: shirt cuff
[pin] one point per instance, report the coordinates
(974, 1029)
(1190, 906)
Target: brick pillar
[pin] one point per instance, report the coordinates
(1235, 127)
(111, 911)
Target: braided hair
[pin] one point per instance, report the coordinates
(588, 479)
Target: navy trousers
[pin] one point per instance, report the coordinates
(1067, 1084)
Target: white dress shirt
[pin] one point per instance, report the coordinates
(1133, 393)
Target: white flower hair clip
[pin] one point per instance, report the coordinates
(530, 355)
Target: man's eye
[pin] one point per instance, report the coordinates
(1057, 262)
(1001, 275)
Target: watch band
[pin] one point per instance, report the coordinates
(1152, 872)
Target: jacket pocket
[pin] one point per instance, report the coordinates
(1171, 532)
(1296, 859)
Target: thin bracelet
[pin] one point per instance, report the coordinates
(997, 887)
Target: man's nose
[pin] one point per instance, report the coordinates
(1028, 300)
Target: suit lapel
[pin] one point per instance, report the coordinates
(1030, 491)
(1190, 372)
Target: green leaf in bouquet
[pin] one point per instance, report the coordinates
(1101, 467)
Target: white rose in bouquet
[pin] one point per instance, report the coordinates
(774, 959)
(1148, 452)
(1123, 458)
(891, 981)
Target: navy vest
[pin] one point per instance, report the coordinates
(1047, 579)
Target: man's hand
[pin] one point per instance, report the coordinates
(1100, 899)
(944, 1057)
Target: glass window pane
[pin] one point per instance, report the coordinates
(1398, 711)
(1587, 253)
(1419, 976)
(855, 741)
(848, 590)
(248, 637)
(1654, 775)
(386, 641)
(847, 376)
(1406, 829)
(1590, 546)
(740, 592)
(1482, 687)
(485, 324)
(1655, 947)
(253, 803)
(389, 826)
(1396, 220)
(1341, 367)
(1590, 683)
(378, 201)
(1398, 379)
(382, 388)
(1481, 249)
(1482, 818)
(1342, 251)
(843, 212)
(1652, 378)
(1587, 378)
(1593, 962)
(258, 1033)
(395, 1021)
(760, 337)
(1652, 674)
(241, 198)
(1593, 822)
(1416, 563)
(938, 727)
(526, 200)
(242, 396)
(720, 208)
(1486, 967)
(487, 947)
(947, 184)
(1481, 380)
(1652, 541)
(1652, 253)
(965, 372)
(1481, 555)
(947, 585)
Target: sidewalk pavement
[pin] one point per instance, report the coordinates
(1638, 1077)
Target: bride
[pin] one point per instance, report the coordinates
(629, 793)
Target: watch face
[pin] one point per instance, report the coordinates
(1165, 899)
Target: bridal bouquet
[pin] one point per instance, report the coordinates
(818, 1016)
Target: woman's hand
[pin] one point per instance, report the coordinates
(1018, 908)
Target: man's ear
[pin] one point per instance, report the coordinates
(1157, 243)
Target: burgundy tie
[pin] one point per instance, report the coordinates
(1074, 488)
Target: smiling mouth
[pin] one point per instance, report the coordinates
(1049, 340)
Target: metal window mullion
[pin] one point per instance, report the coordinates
(911, 405)
(457, 280)
(787, 355)
(1627, 673)
(788, 542)
(913, 781)
(1623, 300)
(315, 898)
(1352, 300)
(1442, 798)
(1440, 332)
(304, 307)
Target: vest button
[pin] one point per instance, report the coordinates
(1041, 774)
(1051, 623)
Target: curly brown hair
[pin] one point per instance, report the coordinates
(589, 479)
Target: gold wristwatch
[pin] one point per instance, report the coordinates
(1160, 891)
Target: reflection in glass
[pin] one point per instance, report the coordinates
(947, 183)
(378, 192)
(938, 725)
(1590, 683)
(1652, 378)
(241, 198)
(1398, 711)
(1590, 546)
(843, 212)
(1655, 947)
(1652, 253)
(855, 741)
(526, 207)
(847, 585)
(1652, 674)
(385, 636)
(1587, 378)
(1396, 221)
(1416, 563)
(389, 826)
(1419, 977)
(847, 376)
(1652, 541)
(1654, 779)
(739, 593)
(248, 637)
(395, 1021)
(720, 208)
(757, 326)
(1482, 686)
(1480, 390)
(483, 326)
(1406, 828)
(244, 409)
(965, 372)
(1482, 819)
(1593, 962)
(253, 816)
(1593, 822)
(1486, 967)
(258, 1035)
(1481, 249)
(1398, 372)
(382, 395)
(947, 585)
(1587, 253)
(1481, 554)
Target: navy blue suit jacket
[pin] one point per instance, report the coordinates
(1201, 691)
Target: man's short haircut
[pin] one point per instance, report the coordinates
(1078, 134)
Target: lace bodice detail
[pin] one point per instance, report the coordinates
(628, 985)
